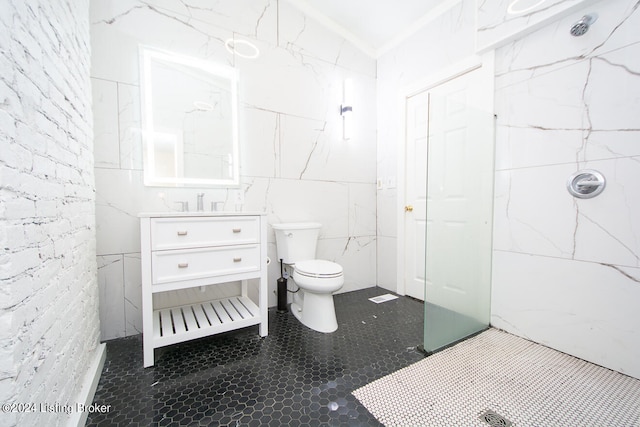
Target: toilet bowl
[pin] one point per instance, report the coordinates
(317, 279)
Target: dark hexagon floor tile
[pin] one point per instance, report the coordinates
(294, 376)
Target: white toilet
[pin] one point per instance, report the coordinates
(316, 278)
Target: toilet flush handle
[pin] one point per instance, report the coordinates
(289, 235)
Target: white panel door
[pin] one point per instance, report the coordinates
(460, 195)
(416, 194)
(449, 185)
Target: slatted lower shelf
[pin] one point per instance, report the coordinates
(177, 324)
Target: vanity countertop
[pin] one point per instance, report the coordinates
(173, 214)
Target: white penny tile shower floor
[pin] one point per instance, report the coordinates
(498, 379)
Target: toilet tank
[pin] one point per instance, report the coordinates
(296, 241)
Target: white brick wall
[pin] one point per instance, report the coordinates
(49, 326)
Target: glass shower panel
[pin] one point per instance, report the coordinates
(459, 212)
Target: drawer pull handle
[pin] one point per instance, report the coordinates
(237, 259)
(237, 230)
(183, 265)
(182, 233)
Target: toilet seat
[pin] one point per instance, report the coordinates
(318, 268)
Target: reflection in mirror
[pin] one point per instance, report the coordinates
(190, 123)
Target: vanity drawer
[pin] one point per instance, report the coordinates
(188, 264)
(176, 233)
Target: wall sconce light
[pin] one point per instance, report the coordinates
(346, 109)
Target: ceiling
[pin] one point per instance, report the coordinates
(372, 25)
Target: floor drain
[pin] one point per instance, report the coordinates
(494, 419)
(383, 298)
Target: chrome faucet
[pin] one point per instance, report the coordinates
(200, 202)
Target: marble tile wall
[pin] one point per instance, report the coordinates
(566, 272)
(499, 21)
(294, 164)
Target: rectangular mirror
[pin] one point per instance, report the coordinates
(189, 120)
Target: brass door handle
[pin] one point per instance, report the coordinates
(408, 208)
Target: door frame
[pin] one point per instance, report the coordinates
(485, 61)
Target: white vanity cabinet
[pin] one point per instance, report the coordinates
(180, 251)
